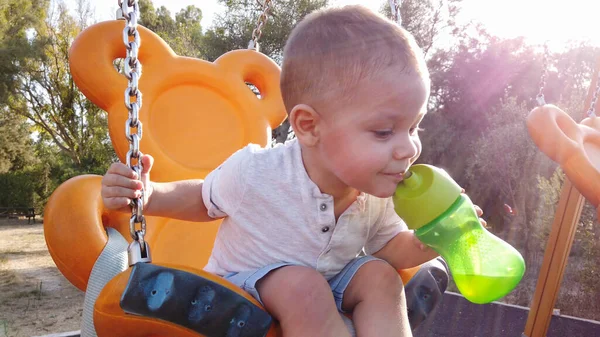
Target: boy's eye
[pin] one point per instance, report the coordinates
(383, 134)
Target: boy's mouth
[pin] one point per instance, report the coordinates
(398, 177)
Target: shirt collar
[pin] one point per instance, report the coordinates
(312, 191)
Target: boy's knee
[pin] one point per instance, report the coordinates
(308, 287)
(297, 288)
(380, 276)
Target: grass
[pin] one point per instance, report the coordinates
(8, 277)
(4, 327)
(35, 293)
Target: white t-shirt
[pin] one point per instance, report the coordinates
(275, 213)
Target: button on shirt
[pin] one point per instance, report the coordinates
(275, 213)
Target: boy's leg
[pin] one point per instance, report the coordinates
(375, 297)
(300, 299)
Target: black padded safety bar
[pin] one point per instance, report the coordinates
(193, 302)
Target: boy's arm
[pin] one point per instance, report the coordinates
(405, 251)
(186, 200)
(178, 200)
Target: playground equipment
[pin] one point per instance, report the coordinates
(87, 242)
(153, 284)
(575, 147)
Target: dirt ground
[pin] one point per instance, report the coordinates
(35, 299)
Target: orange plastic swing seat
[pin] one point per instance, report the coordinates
(574, 146)
(195, 114)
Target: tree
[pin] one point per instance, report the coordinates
(233, 29)
(46, 95)
(17, 20)
(477, 124)
(469, 81)
(427, 20)
(183, 33)
(16, 148)
(506, 159)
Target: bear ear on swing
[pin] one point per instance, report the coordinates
(575, 147)
(188, 104)
(554, 132)
(91, 61)
(252, 67)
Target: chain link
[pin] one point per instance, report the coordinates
(540, 96)
(395, 8)
(262, 21)
(130, 11)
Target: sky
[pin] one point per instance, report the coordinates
(537, 20)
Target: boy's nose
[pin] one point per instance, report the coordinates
(405, 150)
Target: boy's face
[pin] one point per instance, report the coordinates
(369, 145)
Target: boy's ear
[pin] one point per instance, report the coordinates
(304, 120)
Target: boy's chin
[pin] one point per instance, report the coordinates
(382, 192)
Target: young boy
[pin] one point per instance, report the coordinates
(296, 216)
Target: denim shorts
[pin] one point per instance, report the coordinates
(247, 279)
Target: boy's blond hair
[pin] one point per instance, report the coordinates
(332, 50)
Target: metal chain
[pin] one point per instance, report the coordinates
(540, 96)
(395, 8)
(262, 21)
(130, 10)
(592, 110)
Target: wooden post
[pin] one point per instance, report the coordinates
(555, 259)
(558, 247)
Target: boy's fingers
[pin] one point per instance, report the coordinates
(117, 192)
(122, 170)
(147, 162)
(116, 203)
(478, 210)
(111, 180)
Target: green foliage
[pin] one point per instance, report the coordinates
(549, 194)
(17, 18)
(16, 148)
(233, 29)
(182, 33)
(589, 241)
(46, 96)
(25, 188)
(427, 20)
(49, 131)
(18, 189)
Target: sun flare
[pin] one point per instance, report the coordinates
(537, 20)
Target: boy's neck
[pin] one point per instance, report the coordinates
(326, 181)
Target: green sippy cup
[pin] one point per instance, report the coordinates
(484, 267)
